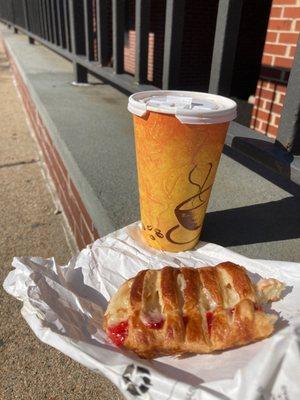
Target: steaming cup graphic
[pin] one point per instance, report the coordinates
(179, 137)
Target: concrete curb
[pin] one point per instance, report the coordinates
(95, 209)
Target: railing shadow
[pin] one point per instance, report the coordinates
(268, 159)
(259, 223)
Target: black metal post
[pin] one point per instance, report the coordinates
(44, 13)
(77, 39)
(88, 29)
(118, 22)
(173, 42)
(49, 21)
(24, 3)
(54, 21)
(226, 36)
(142, 17)
(102, 32)
(12, 14)
(66, 21)
(289, 127)
(59, 22)
(41, 18)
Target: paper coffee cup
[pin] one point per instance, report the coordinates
(179, 137)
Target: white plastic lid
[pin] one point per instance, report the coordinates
(188, 107)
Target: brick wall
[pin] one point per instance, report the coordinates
(279, 50)
(79, 220)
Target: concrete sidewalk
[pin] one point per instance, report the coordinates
(30, 226)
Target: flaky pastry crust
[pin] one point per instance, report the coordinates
(194, 310)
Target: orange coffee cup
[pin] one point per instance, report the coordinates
(179, 137)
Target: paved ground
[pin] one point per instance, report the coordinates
(30, 226)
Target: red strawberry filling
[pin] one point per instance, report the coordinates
(185, 320)
(209, 319)
(155, 324)
(118, 333)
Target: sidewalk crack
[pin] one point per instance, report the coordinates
(8, 165)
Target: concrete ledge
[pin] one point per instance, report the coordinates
(79, 120)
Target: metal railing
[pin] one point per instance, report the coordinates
(90, 33)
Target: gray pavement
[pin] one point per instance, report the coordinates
(30, 226)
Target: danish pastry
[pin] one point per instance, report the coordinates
(195, 310)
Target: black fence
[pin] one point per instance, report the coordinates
(90, 33)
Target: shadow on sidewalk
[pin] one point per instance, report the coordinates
(266, 222)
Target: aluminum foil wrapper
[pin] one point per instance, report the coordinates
(64, 307)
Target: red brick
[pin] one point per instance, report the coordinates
(55, 162)
(254, 123)
(271, 37)
(281, 88)
(67, 210)
(87, 235)
(266, 60)
(257, 128)
(60, 184)
(267, 94)
(269, 106)
(260, 114)
(276, 12)
(283, 62)
(292, 51)
(48, 161)
(63, 180)
(78, 238)
(55, 179)
(282, 98)
(47, 138)
(279, 49)
(83, 210)
(263, 127)
(39, 120)
(292, 12)
(277, 120)
(279, 24)
(60, 162)
(288, 38)
(272, 130)
(75, 210)
(284, 2)
(297, 26)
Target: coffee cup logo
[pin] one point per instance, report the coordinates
(188, 212)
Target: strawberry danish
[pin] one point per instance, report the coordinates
(195, 310)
